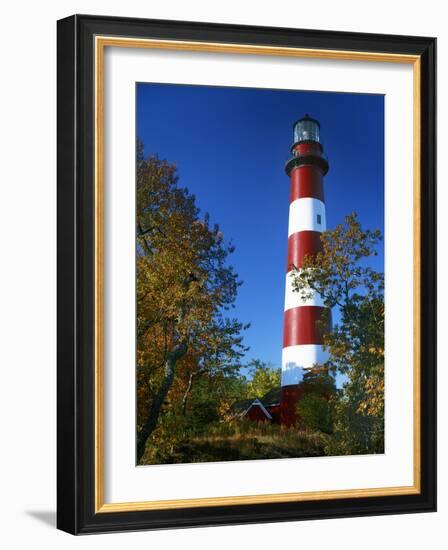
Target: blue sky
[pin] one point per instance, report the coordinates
(230, 146)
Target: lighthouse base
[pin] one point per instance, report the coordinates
(290, 396)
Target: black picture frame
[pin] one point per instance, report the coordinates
(76, 258)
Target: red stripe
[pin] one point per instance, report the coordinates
(301, 244)
(306, 181)
(290, 395)
(308, 148)
(300, 326)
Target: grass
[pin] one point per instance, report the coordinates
(239, 440)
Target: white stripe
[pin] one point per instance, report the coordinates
(296, 360)
(293, 298)
(305, 214)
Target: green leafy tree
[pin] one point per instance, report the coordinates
(341, 275)
(315, 413)
(315, 408)
(263, 377)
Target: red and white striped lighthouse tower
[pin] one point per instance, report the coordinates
(302, 340)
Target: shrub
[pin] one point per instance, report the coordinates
(315, 413)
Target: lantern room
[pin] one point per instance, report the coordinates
(306, 129)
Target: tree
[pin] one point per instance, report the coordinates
(263, 377)
(315, 414)
(315, 407)
(184, 288)
(341, 275)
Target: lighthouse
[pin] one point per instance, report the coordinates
(302, 339)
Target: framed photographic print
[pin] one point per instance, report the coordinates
(246, 274)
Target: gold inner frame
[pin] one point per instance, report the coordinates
(101, 42)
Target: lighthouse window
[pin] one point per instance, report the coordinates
(306, 130)
(319, 219)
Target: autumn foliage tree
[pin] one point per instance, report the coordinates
(342, 276)
(184, 289)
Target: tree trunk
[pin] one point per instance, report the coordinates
(151, 422)
(186, 394)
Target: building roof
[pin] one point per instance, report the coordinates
(270, 399)
(240, 407)
(257, 403)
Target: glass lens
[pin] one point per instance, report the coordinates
(306, 130)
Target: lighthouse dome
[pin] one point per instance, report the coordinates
(306, 129)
